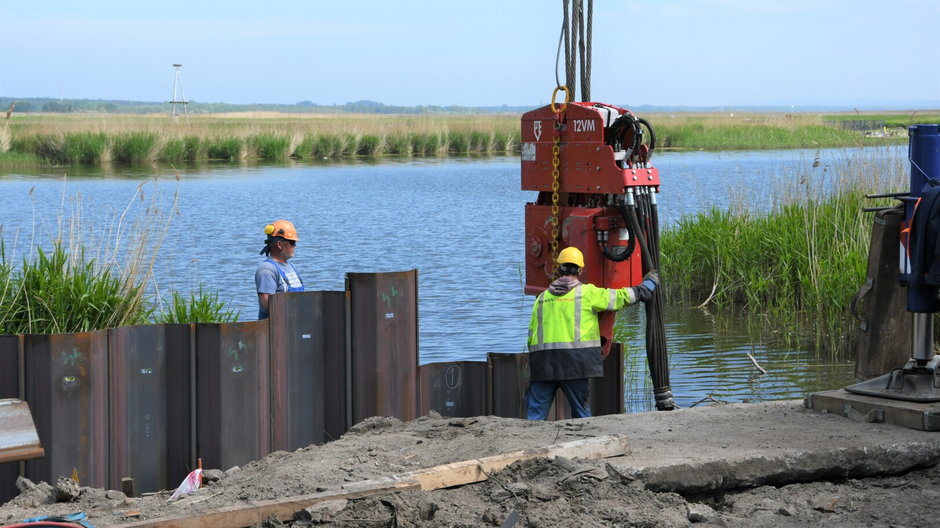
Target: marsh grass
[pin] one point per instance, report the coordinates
(133, 147)
(90, 278)
(199, 307)
(70, 139)
(795, 267)
(269, 146)
(74, 276)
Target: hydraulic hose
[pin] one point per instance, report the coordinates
(656, 353)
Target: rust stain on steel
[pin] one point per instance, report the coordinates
(150, 405)
(233, 411)
(383, 344)
(453, 389)
(508, 379)
(10, 349)
(66, 385)
(297, 374)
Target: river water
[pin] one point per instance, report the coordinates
(459, 222)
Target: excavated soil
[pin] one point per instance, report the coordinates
(773, 464)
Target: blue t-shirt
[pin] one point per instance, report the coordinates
(275, 277)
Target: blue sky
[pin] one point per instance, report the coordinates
(849, 53)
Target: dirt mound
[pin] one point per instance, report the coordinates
(558, 492)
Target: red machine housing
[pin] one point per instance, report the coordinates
(594, 178)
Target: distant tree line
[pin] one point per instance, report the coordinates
(41, 104)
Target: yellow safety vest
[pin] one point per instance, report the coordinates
(569, 321)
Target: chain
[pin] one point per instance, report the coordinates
(556, 149)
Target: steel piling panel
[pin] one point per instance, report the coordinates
(150, 405)
(66, 386)
(607, 392)
(383, 344)
(453, 389)
(297, 350)
(334, 364)
(10, 350)
(233, 412)
(508, 379)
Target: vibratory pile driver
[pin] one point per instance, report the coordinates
(590, 163)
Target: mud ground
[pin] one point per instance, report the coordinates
(769, 464)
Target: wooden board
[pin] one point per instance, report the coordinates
(18, 437)
(920, 416)
(437, 477)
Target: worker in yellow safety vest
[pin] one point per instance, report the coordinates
(564, 335)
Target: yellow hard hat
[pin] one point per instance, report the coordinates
(571, 255)
(283, 229)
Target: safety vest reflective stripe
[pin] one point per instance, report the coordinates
(577, 313)
(564, 346)
(613, 300)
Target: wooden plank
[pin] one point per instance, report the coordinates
(446, 475)
(469, 471)
(913, 415)
(18, 437)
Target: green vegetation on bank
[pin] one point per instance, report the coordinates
(797, 266)
(86, 283)
(92, 139)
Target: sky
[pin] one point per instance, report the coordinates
(848, 53)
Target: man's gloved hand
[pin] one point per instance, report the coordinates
(643, 292)
(651, 277)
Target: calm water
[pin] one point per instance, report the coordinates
(458, 221)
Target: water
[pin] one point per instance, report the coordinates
(458, 221)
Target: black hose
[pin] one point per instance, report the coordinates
(656, 354)
(652, 132)
(622, 253)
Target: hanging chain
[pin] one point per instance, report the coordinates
(556, 149)
(559, 111)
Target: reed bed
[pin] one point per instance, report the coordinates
(795, 267)
(91, 140)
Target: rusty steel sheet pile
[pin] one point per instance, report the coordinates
(150, 401)
(10, 351)
(233, 414)
(297, 377)
(382, 318)
(455, 389)
(66, 384)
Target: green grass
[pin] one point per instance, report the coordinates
(199, 307)
(18, 159)
(224, 148)
(60, 293)
(796, 266)
(94, 277)
(273, 147)
(133, 147)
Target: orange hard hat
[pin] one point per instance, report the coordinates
(281, 228)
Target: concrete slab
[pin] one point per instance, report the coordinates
(694, 451)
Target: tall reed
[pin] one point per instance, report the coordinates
(797, 265)
(94, 276)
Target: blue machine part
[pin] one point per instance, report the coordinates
(924, 155)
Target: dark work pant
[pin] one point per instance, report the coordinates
(541, 394)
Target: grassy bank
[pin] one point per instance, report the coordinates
(796, 266)
(132, 139)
